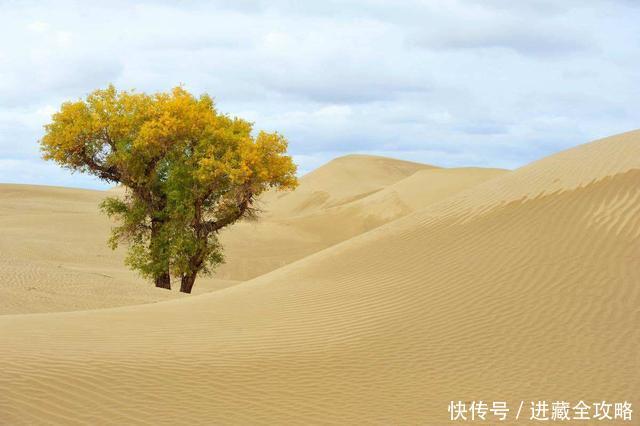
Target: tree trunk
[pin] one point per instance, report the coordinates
(163, 281)
(187, 282)
(195, 265)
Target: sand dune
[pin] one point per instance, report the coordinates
(54, 257)
(340, 181)
(523, 287)
(340, 200)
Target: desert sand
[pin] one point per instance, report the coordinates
(55, 256)
(373, 302)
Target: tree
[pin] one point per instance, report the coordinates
(189, 171)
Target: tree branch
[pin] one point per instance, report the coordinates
(242, 208)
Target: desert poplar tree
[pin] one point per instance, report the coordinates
(188, 170)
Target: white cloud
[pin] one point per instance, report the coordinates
(38, 26)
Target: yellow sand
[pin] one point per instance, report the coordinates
(54, 256)
(522, 287)
(338, 201)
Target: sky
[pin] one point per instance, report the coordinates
(490, 83)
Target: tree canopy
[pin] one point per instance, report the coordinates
(189, 170)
